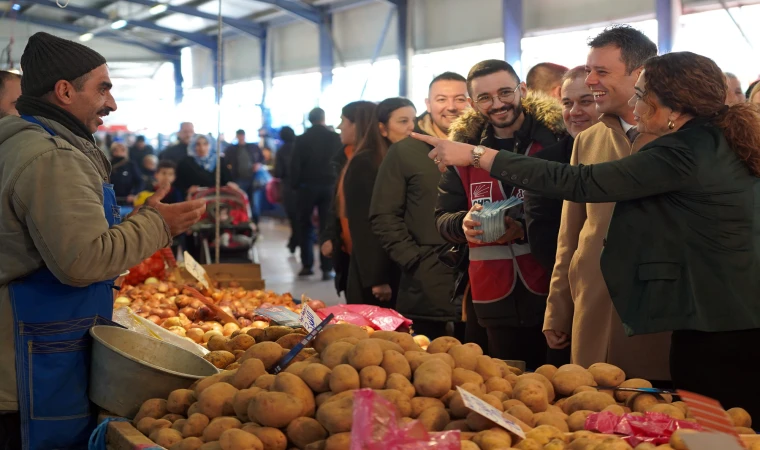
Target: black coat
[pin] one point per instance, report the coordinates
(682, 248)
(126, 178)
(543, 214)
(176, 153)
(402, 217)
(282, 161)
(190, 173)
(255, 155)
(332, 230)
(137, 155)
(370, 264)
(313, 154)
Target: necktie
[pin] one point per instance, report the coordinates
(632, 133)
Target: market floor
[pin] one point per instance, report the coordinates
(279, 268)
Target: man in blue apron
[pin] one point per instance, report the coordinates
(62, 243)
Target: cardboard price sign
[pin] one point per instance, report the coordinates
(710, 415)
(489, 412)
(281, 315)
(304, 342)
(309, 318)
(196, 270)
(710, 441)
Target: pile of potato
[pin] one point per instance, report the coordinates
(309, 406)
(168, 305)
(226, 351)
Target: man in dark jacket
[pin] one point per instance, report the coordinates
(402, 215)
(283, 158)
(508, 285)
(139, 151)
(313, 178)
(178, 151)
(244, 160)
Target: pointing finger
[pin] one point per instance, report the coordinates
(427, 139)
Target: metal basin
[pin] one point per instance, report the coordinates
(128, 368)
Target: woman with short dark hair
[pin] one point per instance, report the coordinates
(682, 252)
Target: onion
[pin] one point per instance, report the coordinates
(246, 323)
(178, 331)
(189, 312)
(196, 334)
(259, 324)
(155, 319)
(316, 304)
(122, 300)
(172, 322)
(163, 287)
(170, 312)
(143, 314)
(182, 301)
(230, 328)
(209, 334)
(217, 326)
(216, 296)
(161, 312)
(196, 304)
(206, 326)
(151, 280)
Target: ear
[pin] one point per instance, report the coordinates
(523, 90)
(471, 102)
(383, 130)
(63, 92)
(427, 105)
(557, 92)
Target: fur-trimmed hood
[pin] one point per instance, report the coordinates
(546, 110)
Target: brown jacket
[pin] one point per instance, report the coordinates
(51, 215)
(579, 302)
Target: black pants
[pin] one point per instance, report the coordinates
(518, 343)
(474, 332)
(721, 365)
(309, 198)
(434, 329)
(10, 431)
(290, 204)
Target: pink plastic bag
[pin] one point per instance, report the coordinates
(655, 428)
(375, 427)
(367, 315)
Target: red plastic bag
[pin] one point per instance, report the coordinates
(367, 315)
(653, 427)
(376, 427)
(150, 267)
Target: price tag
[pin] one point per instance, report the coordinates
(489, 412)
(309, 318)
(710, 441)
(709, 413)
(281, 315)
(196, 270)
(304, 342)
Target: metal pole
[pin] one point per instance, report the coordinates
(219, 83)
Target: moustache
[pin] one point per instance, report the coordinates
(504, 108)
(105, 111)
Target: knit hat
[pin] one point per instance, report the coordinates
(48, 59)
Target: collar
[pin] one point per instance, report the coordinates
(626, 126)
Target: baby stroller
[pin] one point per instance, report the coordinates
(237, 233)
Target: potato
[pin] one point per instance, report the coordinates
(323, 397)
(623, 396)
(591, 401)
(577, 420)
(523, 413)
(155, 408)
(420, 404)
(613, 444)
(385, 344)
(554, 420)
(433, 378)
(645, 446)
(217, 342)
(247, 373)
(200, 385)
(512, 402)
(547, 370)
(476, 422)
(606, 374)
(529, 444)
(173, 417)
(336, 354)
(492, 440)
(400, 401)
(220, 358)
(394, 362)
(469, 445)
(343, 378)
(642, 402)
(740, 417)
(166, 437)
(304, 431)
(664, 408)
(275, 409)
(235, 439)
(272, 333)
(486, 367)
(272, 438)
(145, 425)
(475, 389)
(241, 400)
(615, 409)
(264, 381)
(372, 377)
(565, 382)
(179, 400)
(195, 425)
(218, 426)
(502, 397)
(191, 443)
(464, 357)
(295, 386)
(317, 377)
(498, 384)
(364, 354)
(336, 416)
(332, 333)
(445, 357)
(179, 424)
(217, 400)
(241, 342)
(585, 443)
(545, 433)
(268, 352)
(256, 333)
(290, 340)
(403, 340)
(442, 344)
(550, 394)
(416, 358)
(340, 441)
(532, 393)
(460, 425)
(456, 406)
(211, 446)
(461, 376)
(744, 430)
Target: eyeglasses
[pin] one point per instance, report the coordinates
(505, 96)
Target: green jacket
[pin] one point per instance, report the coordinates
(683, 248)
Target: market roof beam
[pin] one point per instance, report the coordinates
(197, 38)
(306, 12)
(246, 26)
(166, 51)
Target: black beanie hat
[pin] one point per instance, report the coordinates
(48, 59)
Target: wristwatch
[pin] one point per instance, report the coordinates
(477, 152)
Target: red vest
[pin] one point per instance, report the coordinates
(493, 272)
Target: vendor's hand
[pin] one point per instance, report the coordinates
(514, 231)
(557, 340)
(192, 190)
(447, 153)
(468, 226)
(382, 292)
(326, 249)
(179, 216)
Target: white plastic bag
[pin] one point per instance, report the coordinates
(127, 318)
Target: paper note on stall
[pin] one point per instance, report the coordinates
(489, 412)
(300, 346)
(281, 315)
(309, 319)
(710, 441)
(196, 270)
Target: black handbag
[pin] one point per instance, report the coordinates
(454, 256)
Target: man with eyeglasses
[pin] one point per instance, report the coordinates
(507, 284)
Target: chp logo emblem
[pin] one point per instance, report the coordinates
(481, 193)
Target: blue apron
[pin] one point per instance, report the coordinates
(51, 325)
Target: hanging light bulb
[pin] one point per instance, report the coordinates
(86, 37)
(158, 9)
(119, 24)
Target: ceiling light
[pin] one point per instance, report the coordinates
(16, 7)
(86, 37)
(158, 9)
(119, 24)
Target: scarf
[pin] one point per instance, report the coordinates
(208, 162)
(34, 106)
